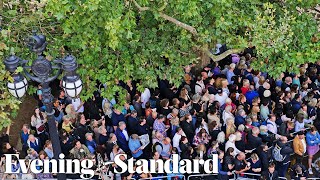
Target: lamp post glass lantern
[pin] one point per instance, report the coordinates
(42, 71)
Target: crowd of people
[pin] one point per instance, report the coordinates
(255, 123)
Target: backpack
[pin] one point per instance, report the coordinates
(276, 153)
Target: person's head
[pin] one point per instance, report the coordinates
(78, 144)
(102, 130)
(167, 141)
(142, 120)
(214, 144)
(230, 151)
(290, 125)
(246, 83)
(202, 133)
(66, 119)
(241, 112)
(161, 118)
(31, 138)
(94, 124)
(255, 131)
(112, 137)
(156, 155)
(184, 139)
(122, 125)
(263, 129)
(242, 98)
(82, 119)
(37, 111)
(48, 144)
(61, 94)
(241, 128)
(179, 131)
(134, 113)
(221, 137)
(164, 103)
(313, 130)
(272, 117)
(230, 122)
(42, 155)
(301, 135)
(25, 128)
(232, 66)
(254, 157)
(271, 168)
(220, 154)
(283, 139)
(241, 156)
(135, 137)
(89, 136)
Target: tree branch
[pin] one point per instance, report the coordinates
(169, 18)
(178, 23)
(221, 56)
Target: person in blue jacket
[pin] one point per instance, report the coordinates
(313, 141)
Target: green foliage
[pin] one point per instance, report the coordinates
(125, 39)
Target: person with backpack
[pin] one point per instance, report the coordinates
(281, 154)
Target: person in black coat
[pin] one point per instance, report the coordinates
(81, 131)
(132, 122)
(286, 150)
(184, 146)
(270, 173)
(264, 155)
(254, 140)
(142, 128)
(298, 171)
(188, 129)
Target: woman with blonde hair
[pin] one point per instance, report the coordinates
(185, 96)
(72, 114)
(227, 113)
(224, 86)
(230, 127)
(255, 164)
(221, 138)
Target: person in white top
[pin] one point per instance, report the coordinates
(221, 97)
(145, 96)
(231, 143)
(199, 85)
(272, 126)
(78, 105)
(176, 138)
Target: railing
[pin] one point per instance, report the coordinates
(166, 177)
(200, 175)
(247, 174)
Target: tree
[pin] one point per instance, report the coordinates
(144, 40)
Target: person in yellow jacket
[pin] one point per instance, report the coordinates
(299, 146)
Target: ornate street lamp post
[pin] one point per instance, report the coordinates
(42, 72)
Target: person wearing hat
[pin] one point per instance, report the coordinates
(299, 146)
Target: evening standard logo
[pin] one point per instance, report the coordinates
(75, 166)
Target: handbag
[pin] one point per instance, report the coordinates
(41, 128)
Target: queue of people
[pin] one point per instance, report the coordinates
(255, 123)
